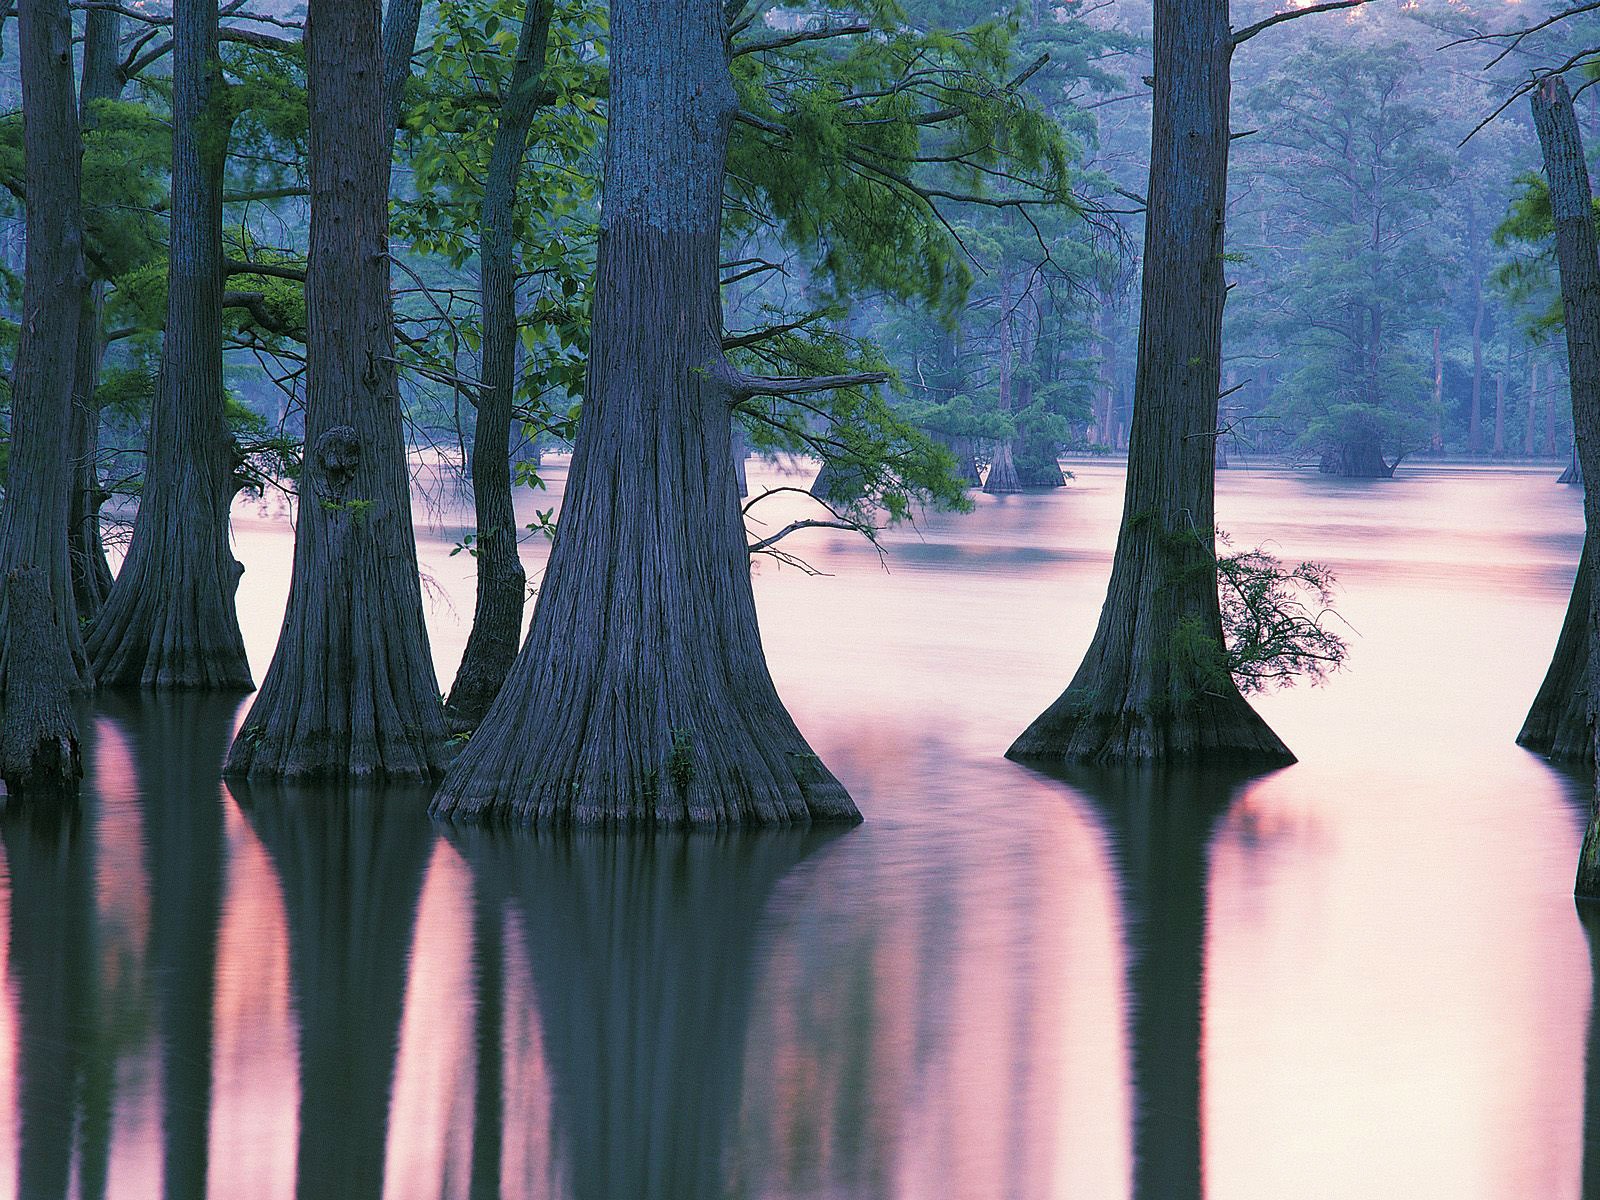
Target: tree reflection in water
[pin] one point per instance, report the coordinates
(644, 953)
(1159, 824)
(351, 867)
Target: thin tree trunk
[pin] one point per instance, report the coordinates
(1578, 258)
(170, 621)
(400, 22)
(1499, 413)
(1154, 685)
(502, 583)
(607, 718)
(1438, 393)
(1475, 421)
(1551, 449)
(91, 575)
(33, 524)
(351, 691)
(1533, 405)
(1002, 478)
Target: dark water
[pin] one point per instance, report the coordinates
(1362, 976)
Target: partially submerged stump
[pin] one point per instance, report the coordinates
(38, 732)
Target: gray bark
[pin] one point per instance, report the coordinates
(1578, 259)
(170, 620)
(33, 523)
(351, 691)
(502, 582)
(642, 695)
(1154, 685)
(1002, 478)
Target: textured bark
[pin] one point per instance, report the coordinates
(1578, 259)
(1154, 685)
(33, 523)
(400, 22)
(1558, 724)
(644, 1102)
(741, 454)
(502, 583)
(170, 620)
(91, 575)
(38, 730)
(351, 869)
(642, 695)
(351, 691)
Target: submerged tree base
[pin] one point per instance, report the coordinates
(1557, 725)
(1212, 729)
(1358, 460)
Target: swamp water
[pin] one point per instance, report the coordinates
(1361, 976)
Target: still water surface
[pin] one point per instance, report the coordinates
(1361, 976)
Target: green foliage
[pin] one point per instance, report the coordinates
(1276, 620)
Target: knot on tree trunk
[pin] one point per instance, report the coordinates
(338, 452)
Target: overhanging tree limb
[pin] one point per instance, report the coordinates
(1249, 31)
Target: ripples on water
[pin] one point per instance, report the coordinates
(1362, 976)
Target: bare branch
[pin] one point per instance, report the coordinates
(745, 385)
(762, 45)
(1249, 31)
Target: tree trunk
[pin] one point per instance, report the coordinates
(1475, 420)
(400, 23)
(1154, 685)
(1557, 725)
(608, 718)
(33, 524)
(1438, 393)
(1499, 413)
(170, 621)
(38, 731)
(502, 583)
(351, 691)
(1551, 400)
(1533, 405)
(1002, 478)
(1359, 459)
(1573, 475)
(1578, 258)
(91, 575)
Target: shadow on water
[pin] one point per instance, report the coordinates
(1159, 825)
(351, 867)
(644, 953)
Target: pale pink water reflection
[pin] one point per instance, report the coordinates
(1362, 976)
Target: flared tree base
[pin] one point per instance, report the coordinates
(1357, 460)
(1211, 730)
